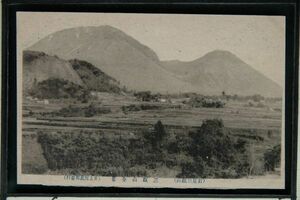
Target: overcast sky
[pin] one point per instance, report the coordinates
(257, 40)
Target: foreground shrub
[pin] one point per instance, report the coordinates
(218, 150)
(157, 135)
(84, 151)
(194, 169)
(272, 158)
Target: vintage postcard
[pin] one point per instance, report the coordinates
(151, 100)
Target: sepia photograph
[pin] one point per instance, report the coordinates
(151, 100)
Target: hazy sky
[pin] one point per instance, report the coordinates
(257, 40)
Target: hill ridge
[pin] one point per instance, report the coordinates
(39, 67)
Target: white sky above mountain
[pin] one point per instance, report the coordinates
(257, 40)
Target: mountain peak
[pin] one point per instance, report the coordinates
(92, 41)
(108, 27)
(221, 70)
(101, 27)
(220, 54)
(103, 30)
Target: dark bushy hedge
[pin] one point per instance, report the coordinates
(210, 151)
(205, 102)
(88, 111)
(272, 158)
(139, 107)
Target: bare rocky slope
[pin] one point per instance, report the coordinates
(38, 66)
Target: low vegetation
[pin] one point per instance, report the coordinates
(140, 107)
(210, 151)
(147, 96)
(257, 104)
(54, 88)
(206, 102)
(95, 79)
(87, 111)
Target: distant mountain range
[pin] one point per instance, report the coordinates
(136, 66)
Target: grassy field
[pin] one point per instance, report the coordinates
(260, 126)
(32, 155)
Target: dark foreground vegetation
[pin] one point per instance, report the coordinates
(211, 151)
